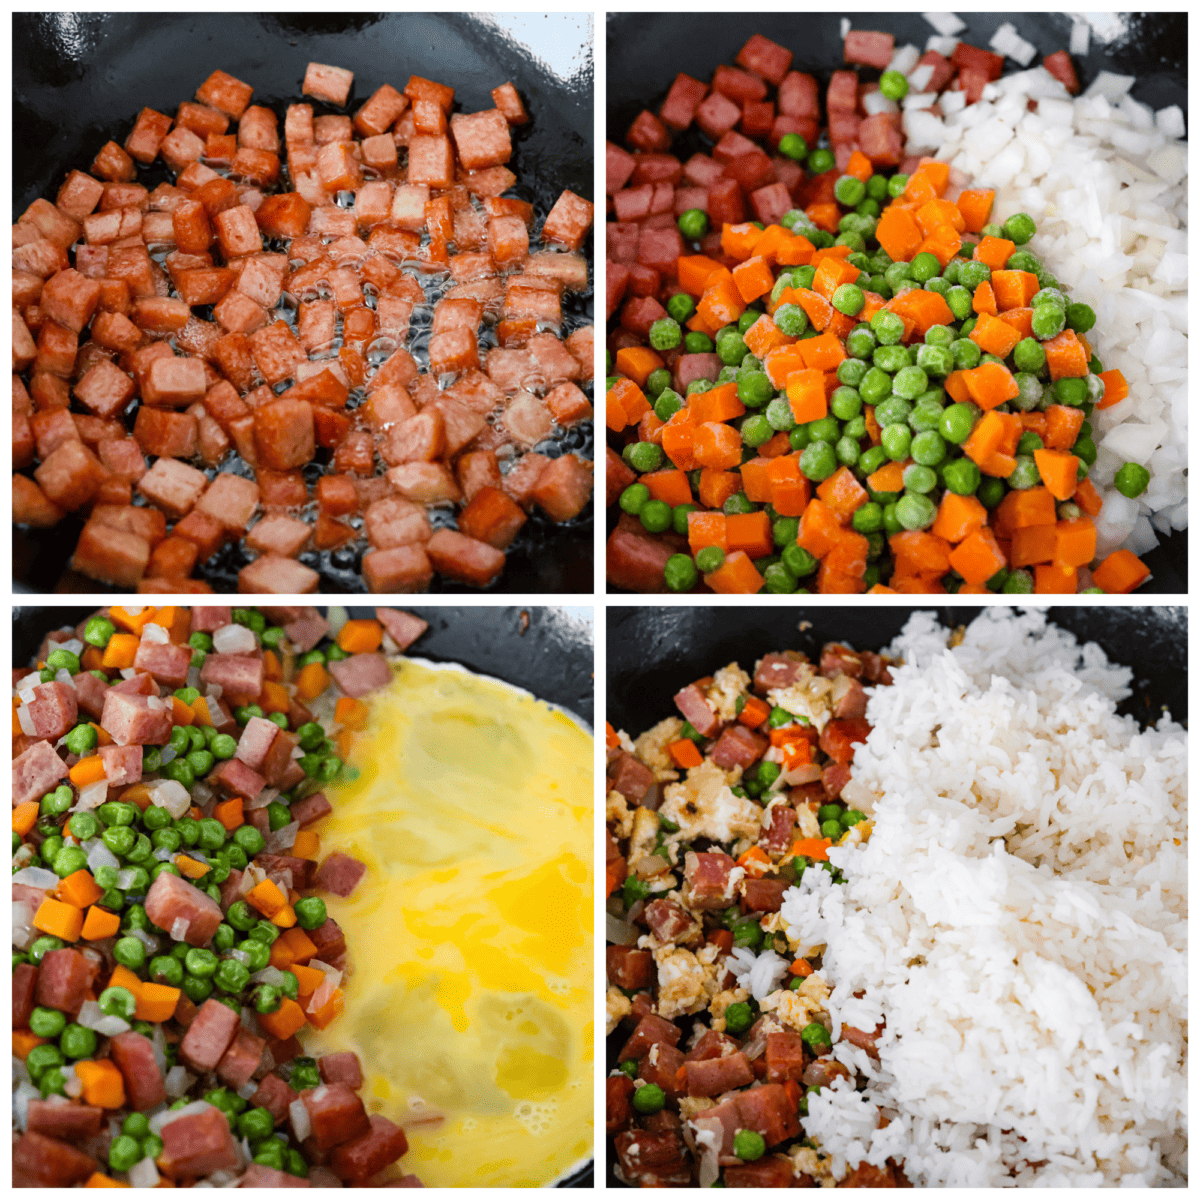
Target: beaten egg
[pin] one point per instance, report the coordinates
(470, 937)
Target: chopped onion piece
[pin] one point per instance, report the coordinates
(178, 1081)
(234, 639)
(321, 996)
(272, 976)
(163, 854)
(90, 1014)
(127, 672)
(144, 1174)
(301, 1123)
(62, 675)
(125, 880)
(111, 1026)
(25, 718)
(72, 646)
(337, 617)
(248, 1089)
(282, 839)
(23, 932)
(159, 1042)
(171, 795)
(100, 855)
(37, 877)
(240, 955)
(92, 796)
(193, 678)
(156, 634)
(21, 1098)
(265, 797)
(619, 932)
(25, 686)
(179, 929)
(169, 754)
(946, 23)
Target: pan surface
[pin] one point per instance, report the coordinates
(655, 651)
(80, 79)
(646, 50)
(540, 649)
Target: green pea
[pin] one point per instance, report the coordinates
(47, 1022)
(81, 739)
(71, 859)
(961, 476)
(77, 1041)
(681, 307)
(957, 422)
(136, 1125)
(251, 618)
(165, 969)
(738, 1018)
(755, 389)
(848, 298)
(915, 511)
(1048, 321)
(98, 632)
(697, 343)
(54, 805)
(868, 518)
(895, 440)
(1131, 479)
(259, 954)
(817, 1038)
(693, 224)
(1019, 228)
(43, 1058)
(818, 461)
(860, 342)
(197, 990)
(845, 403)
(800, 563)
(124, 1153)
(665, 334)
(63, 660)
(634, 498)
(1019, 583)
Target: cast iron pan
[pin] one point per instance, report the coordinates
(539, 649)
(81, 79)
(647, 50)
(653, 652)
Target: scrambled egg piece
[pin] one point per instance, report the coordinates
(810, 696)
(703, 805)
(807, 825)
(693, 1106)
(643, 836)
(814, 1164)
(616, 1008)
(721, 1001)
(651, 748)
(684, 982)
(728, 684)
(626, 744)
(774, 923)
(801, 1007)
(619, 814)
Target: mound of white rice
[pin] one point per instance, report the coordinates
(1017, 918)
(1105, 179)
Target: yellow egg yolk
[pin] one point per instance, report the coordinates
(470, 938)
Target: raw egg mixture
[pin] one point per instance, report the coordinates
(470, 937)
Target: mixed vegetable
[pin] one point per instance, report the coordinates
(716, 1014)
(873, 387)
(168, 944)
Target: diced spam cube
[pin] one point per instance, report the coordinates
(568, 221)
(331, 84)
(230, 499)
(71, 475)
(402, 569)
(111, 555)
(274, 575)
(482, 139)
(173, 486)
(431, 161)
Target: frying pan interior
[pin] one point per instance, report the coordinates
(646, 50)
(541, 649)
(80, 79)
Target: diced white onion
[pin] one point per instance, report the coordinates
(37, 877)
(159, 1042)
(337, 617)
(234, 639)
(946, 23)
(904, 59)
(271, 976)
(265, 797)
(201, 792)
(100, 855)
(169, 754)
(215, 691)
(128, 672)
(918, 79)
(1080, 36)
(1008, 42)
(23, 856)
(246, 884)
(28, 728)
(73, 1085)
(125, 880)
(90, 1014)
(163, 854)
(179, 929)
(160, 1120)
(92, 796)
(619, 932)
(111, 1026)
(282, 839)
(171, 795)
(23, 932)
(876, 103)
(193, 678)
(301, 1124)
(240, 955)
(332, 974)
(21, 1098)
(25, 686)
(178, 1081)
(156, 634)
(62, 675)
(247, 1089)
(72, 646)
(144, 1174)
(321, 996)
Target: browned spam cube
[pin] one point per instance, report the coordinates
(380, 112)
(31, 506)
(205, 533)
(230, 499)
(527, 419)
(482, 139)
(332, 129)
(70, 299)
(262, 279)
(338, 168)
(213, 442)
(425, 483)
(564, 487)
(408, 205)
(389, 406)
(463, 313)
(463, 424)
(454, 351)
(237, 313)
(475, 470)
(567, 404)
(166, 434)
(160, 314)
(394, 521)
(400, 367)
(494, 181)
(174, 382)
(259, 129)
(568, 221)
(401, 570)
(57, 349)
(105, 389)
(51, 427)
(205, 285)
(201, 119)
(331, 84)
(180, 148)
(191, 227)
(379, 151)
(173, 486)
(464, 558)
(285, 215)
(133, 265)
(111, 555)
(524, 298)
(276, 352)
(553, 362)
(568, 269)
(147, 523)
(419, 439)
(428, 117)
(79, 195)
(523, 476)
(71, 475)
(225, 93)
(274, 575)
(431, 161)
(419, 88)
(147, 135)
(113, 163)
(508, 101)
(24, 348)
(281, 489)
(172, 558)
(284, 434)
(492, 517)
(22, 441)
(115, 331)
(279, 534)
(581, 345)
(508, 240)
(123, 457)
(238, 231)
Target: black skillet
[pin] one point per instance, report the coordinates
(655, 651)
(539, 649)
(647, 50)
(80, 79)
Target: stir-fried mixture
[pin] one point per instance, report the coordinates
(199, 354)
(830, 366)
(720, 1015)
(170, 943)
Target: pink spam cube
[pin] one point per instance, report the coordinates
(431, 161)
(173, 486)
(482, 139)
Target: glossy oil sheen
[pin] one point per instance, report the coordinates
(470, 936)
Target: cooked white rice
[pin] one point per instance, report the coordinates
(1017, 917)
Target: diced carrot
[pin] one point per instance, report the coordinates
(694, 271)
(98, 1180)
(1075, 544)
(958, 517)
(754, 861)
(918, 552)
(843, 493)
(1120, 573)
(790, 490)
(815, 848)
(134, 622)
(59, 920)
(678, 440)
(920, 309)
(272, 667)
(859, 166)
(739, 241)
(671, 487)
(329, 1012)
(274, 698)
(25, 817)
(1059, 471)
(993, 336)
(360, 636)
(816, 307)
(753, 278)
(750, 532)
(23, 1041)
(1021, 319)
(824, 216)
(285, 917)
(764, 336)
(1018, 509)
(190, 868)
(721, 300)
(200, 712)
(756, 480)
(281, 955)
(706, 529)
(984, 300)
(87, 771)
(79, 889)
(307, 844)
(898, 233)
(286, 1020)
(1054, 579)
(266, 897)
(99, 923)
(717, 404)
(299, 943)
(684, 753)
(824, 353)
(831, 274)
(309, 979)
(120, 652)
(123, 977)
(92, 659)
(994, 252)
(782, 361)
(637, 363)
(888, 478)
(1033, 544)
(631, 402)
(1065, 356)
(820, 529)
(181, 713)
(156, 1002)
(754, 712)
(1063, 424)
(806, 395)
(976, 208)
(717, 486)
(801, 966)
(737, 575)
(350, 713)
(103, 1083)
(1088, 498)
(1014, 289)
(1115, 388)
